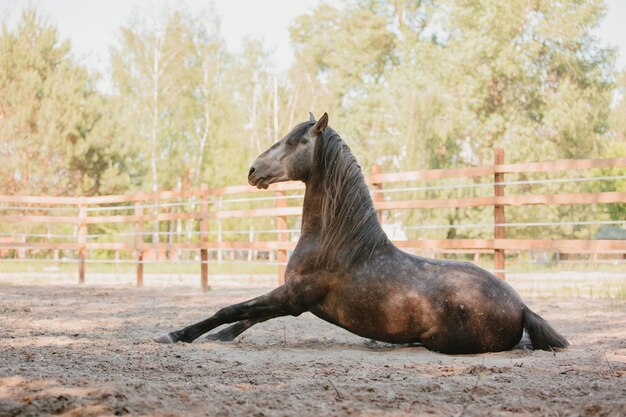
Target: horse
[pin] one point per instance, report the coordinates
(347, 272)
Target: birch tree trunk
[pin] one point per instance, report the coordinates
(153, 141)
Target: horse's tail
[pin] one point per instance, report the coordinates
(542, 335)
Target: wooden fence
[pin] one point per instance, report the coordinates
(204, 213)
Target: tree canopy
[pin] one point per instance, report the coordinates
(57, 136)
(410, 84)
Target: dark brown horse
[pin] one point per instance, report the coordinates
(345, 270)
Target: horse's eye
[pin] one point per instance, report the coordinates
(304, 141)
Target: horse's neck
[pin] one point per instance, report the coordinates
(353, 238)
(313, 200)
(312, 211)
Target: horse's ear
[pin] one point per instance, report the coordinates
(321, 124)
(311, 118)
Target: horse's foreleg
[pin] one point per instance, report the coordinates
(274, 304)
(231, 332)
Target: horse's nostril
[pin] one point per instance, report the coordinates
(251, 172)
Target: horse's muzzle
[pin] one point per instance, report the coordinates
(252, 178)
(255, 180)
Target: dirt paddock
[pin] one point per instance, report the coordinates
(82, 351)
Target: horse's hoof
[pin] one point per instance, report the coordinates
(166, 338)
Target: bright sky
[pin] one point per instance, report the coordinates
(92, 25)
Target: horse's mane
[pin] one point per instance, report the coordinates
(350, 230)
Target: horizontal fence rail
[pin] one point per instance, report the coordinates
(190, 225)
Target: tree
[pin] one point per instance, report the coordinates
(423, 84)
(144, 69)
(53, 134)
(343, 54)
(532, 77)
(616, 148)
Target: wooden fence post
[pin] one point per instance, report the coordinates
(499, 218)
(204, 237)
(377, 195)
(139, 242)
(251, 256)
(281, 226)
(219, 232)
(82, 239)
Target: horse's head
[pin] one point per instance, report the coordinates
(289, 159)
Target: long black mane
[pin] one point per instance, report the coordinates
(350, 230)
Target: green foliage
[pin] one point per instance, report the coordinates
(53, 135)
(447, 82)
(410, 85)
(432, 85)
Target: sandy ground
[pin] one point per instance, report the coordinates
(530, 284)
(82, 351)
